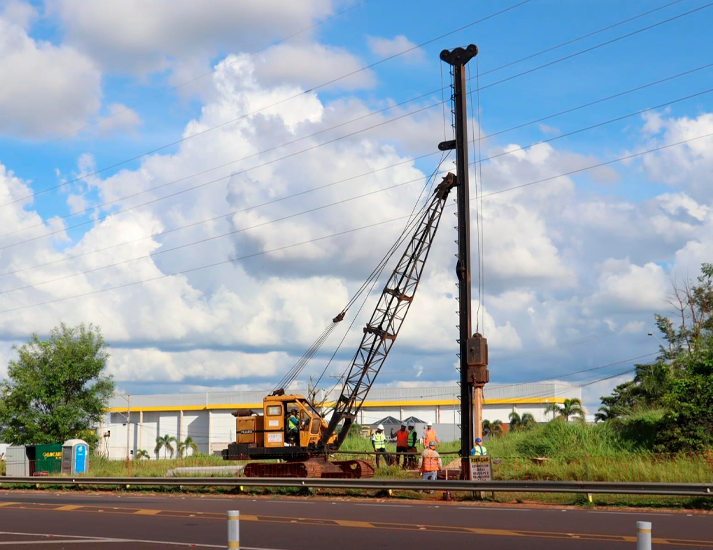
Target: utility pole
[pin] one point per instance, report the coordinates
(473, 347)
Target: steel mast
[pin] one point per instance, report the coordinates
(473, 349)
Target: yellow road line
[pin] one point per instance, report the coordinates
(147, 512)
(317, 522)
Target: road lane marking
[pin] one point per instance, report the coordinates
(147, 512)
(316, 522)
(68, 507)
(6, 503)
(386, 505)
(494, 508)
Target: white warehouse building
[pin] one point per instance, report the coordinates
(207, 417)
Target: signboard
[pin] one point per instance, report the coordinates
(481, 468)
(274, 437)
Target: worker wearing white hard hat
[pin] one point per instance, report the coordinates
(411, 446)
(378, 442)
(430, 435)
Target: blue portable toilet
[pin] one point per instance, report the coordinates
(75, 457)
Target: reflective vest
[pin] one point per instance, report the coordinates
(412, 438)
(430, 461)
(479, 450)
(293, 422)
(379, 440)
(428, 436)
(402, 438)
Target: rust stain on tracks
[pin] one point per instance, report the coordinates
(317, 522)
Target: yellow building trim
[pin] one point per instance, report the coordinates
(367, 404)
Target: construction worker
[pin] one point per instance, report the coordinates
(402, 443)
(378, 442)
(293, 426)
(430, 435)
(411, 449)
(430, 462)
(479, 449)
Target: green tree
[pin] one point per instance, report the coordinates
(688, 422)
(524, 422)
(142, 453)
(164, 443)
(183, 446)
(492, 429)
(57, 388)
(571, 408)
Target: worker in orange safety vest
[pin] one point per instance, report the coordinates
(430, 462)
(430, 435)
(402, 443)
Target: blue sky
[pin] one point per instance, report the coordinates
(566, 259)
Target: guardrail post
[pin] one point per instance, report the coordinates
(643, 535)
(233, 529)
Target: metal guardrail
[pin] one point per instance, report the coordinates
(626, 488)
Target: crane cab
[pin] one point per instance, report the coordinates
(289, 426)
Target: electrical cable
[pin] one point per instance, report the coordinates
(284, 100)
(406, 161)
(597, 46)
(477, 201)
(231, 175)
(191, 81)
(324, 237)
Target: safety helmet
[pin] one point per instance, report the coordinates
(429, 424)
(380, 427)
(478, 440)
(403, 424)
(410, 425)
(431, 443)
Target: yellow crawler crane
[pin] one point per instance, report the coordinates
(304, 449)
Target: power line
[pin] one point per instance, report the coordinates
(264, 252)
(192, 80)
(280, 102)
(233, 174)
(406, 161)
(597, 46)
(478, 165)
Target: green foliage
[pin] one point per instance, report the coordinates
(688, 422)
(640, 427)
(142, 453)
(56, 389)
(524, 422)
(571, 408)
(164, 443)
(492, 429)
(186, 444)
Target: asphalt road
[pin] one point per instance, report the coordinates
(123, 522)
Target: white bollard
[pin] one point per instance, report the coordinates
(233, 529)
(643, 535)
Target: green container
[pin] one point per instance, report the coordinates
(48, 458)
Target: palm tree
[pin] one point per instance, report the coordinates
(605, 413)
(492, 429)
(165, 444)
(515, 421)
(183, 446)
(570, 408)
(524, 422)
(528, 421)
(142, 453)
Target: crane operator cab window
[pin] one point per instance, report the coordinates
(292, 426)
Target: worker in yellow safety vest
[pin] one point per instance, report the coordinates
(479, 449)
(378, 442)
(430, 462)
(430, 435)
